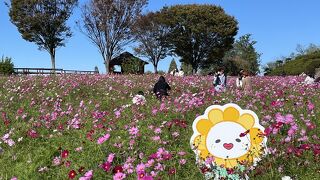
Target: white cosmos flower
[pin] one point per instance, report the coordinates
(286, 178)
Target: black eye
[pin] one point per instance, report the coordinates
(218, 140)
(238, 140)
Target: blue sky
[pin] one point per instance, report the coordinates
(277, 25)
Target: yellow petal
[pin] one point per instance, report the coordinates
(231, 114)
(230, 163)
(204, 154)
(203, 145)
(196, 141)
(215, 116)
(256, 136)
(219, 161)
(246, 120)
(203, 126)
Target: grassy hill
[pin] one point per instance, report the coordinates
(303, 63)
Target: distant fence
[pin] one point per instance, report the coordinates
(43, 71)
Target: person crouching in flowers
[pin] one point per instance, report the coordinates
(161, 88)
(139, 99)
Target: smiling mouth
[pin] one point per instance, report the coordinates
(228, 146)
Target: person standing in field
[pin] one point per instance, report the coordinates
(246, 82)
(181, 73)
(309, 79)
(161, 88)
(239, 79)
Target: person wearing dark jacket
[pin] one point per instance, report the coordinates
(161, 88)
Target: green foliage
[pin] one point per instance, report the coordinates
(242, 56)
(302, 63)
(200, 34)
(96, 69)
(43, 22)
(6, 66)
(173, 66)
(161, 72)
(131, 66)
(187, 68)
(305, 59)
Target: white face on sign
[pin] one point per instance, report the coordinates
(224, 140)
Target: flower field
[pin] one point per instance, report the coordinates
(87, 127)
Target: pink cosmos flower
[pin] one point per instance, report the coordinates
(209, 160)
(154, 111)
(147, 178)
(175, 134)
(106, 166)
(156, 138)
(153, 174)
(56, 161)
(117, 113)
(182, 153)
(119, 176)
(159, 167)
(87, 176)
(150, 163)
(182, 161)
(157, 130)
(310, 106)
(140, 167)
(10, 142)
(14, 178)
(103, 138)
(110, 157)
(78, 149)
(133, 131)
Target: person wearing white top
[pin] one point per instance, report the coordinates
(309, 80)
(239, 79)
(181, 73)
(220, 81)
(139, 99)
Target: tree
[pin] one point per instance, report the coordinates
(108, 23)
(246, 51)
(43, 22)
(301, 50)
(151, 33)
(173, 66)
(186, 68)
(96, 70)
(200, 34)
(6, 66)
(242, 56)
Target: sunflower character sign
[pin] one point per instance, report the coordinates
(227, 137)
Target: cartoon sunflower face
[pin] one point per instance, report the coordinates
(229, 134)
(228, 144)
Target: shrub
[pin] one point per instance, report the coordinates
(131, 66)
(6, 66)
(173, 66)
(96, 70)
(304, 63)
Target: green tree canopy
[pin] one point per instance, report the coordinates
(200, 34)
(172, 66)
(43, 22)
(243, 55)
